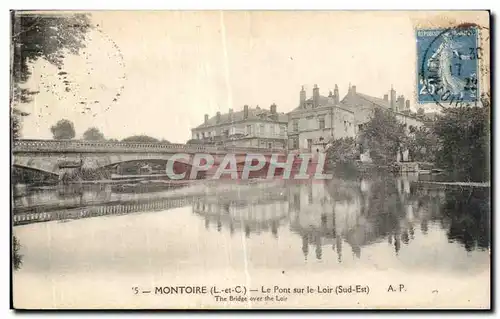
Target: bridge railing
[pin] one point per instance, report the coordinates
(98, 146)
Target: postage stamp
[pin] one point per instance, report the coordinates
(448, 62)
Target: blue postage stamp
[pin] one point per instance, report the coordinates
(448, 66)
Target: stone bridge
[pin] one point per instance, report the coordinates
(51, 156)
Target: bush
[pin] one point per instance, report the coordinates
(86, 174)
(342, 151)
(464, 136)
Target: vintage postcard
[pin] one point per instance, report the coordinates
(250, 159)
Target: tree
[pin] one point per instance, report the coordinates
(15, 124)
(384, 136)
(63, 130)
(422, 144)
(194, 141)
(93, 134)
(17, 258)
(39, 36)
(464, 141)
(141, 139)
(342, 151)
(49, 37)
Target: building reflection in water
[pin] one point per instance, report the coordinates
(341, 215)
(338, 214)
(248, 214)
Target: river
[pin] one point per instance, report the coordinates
(91, 246)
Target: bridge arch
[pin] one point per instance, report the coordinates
(36, 169)
(26, 174)
(147, 166)
(49, 165)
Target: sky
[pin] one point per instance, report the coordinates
(158, 73)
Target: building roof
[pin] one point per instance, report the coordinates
(254, 114)
(322, 102)
(355, 99)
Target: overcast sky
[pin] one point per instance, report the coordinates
(158, 73)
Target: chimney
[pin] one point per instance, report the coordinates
(273, 108)
(393, 99)
(302, 98)
(218, 117)
(245, 112)
(386, 97)
(353, 89)
(315, 96)
(407, 105)
(401, 103)
(230, 114)
(206, 118)
(336, 96)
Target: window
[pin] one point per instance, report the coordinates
(282, 129)
(249, 129)
(295, 143)
(273, 129)
(262, 129)
(321, 121)
(295, 125)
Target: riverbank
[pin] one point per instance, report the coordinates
(460, 184)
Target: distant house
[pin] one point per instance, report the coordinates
(317, 120)
(251, 127)
(363, 107)
(308, 127)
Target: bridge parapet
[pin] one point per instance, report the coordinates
(79, 146)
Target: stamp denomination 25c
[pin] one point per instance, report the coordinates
(448, 65)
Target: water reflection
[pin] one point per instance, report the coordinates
(357, 214)
(343, 216)
(251, 214)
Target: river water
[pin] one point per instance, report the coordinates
(96, 246)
